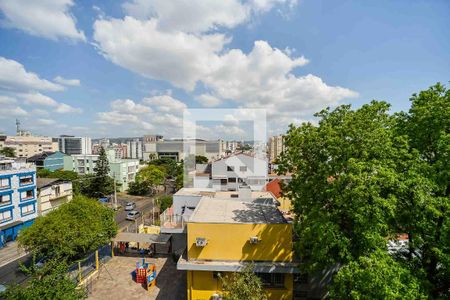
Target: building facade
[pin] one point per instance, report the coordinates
(52, 193)
(82, 164)
(122, 170)
(18, 202)
(51, 161)
(275, 147)
(135, 149)
(27, 145)
(223, 236)
(72, 145)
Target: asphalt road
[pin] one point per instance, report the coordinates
(10, 273)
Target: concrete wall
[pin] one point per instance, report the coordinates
(49, 199)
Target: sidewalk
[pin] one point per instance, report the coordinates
(10, 253)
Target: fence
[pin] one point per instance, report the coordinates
(83, 268)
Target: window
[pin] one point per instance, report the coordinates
(27, 209)
(301, 278)
(27, 195)
(5, 216)
(5, 199)
(26, 180)
(232, 179)
(243, 168)
(230, 168)
(4, 183)
(223, 182)
(271, 279)
(57, 190)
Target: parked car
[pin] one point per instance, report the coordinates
(130, 206)
(104, 199)
(2, 288)
(133, 215)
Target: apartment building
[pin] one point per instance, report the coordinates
(52, 193)
(17, 198)
(27, 145)
(229, 173)
(51, 161)
(135, 149)
(73, 145)
(275, 147)
(82, 163)
(122, 170)
(224, 235)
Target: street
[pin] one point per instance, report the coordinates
(10, 273)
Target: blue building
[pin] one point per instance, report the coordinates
(18, 202)
(51, 161)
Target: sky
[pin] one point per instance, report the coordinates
(128, 68)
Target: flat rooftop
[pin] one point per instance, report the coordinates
(235, 212)
(210, 192)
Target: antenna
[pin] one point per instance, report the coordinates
(17, 126)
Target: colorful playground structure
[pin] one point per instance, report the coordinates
(145, 273)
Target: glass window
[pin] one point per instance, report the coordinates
(5, 216)
(27, 195)
(230, 168)
(271, 279)
(243, 168)
(27, 209)
(232, 179)
(26, 180)
(5, 199)
(4, 182)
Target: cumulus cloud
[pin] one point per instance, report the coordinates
(5, 100)
(45, 122)
(14, 77)
(43, 100)
(183, 42)
(129, 106)
(166, 103)
(45, 18)
(64, 81)
(15, 111)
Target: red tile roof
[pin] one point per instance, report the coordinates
(274, 187)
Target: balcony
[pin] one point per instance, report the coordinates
(172, 223)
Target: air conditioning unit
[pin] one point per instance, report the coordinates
(200, 242)
(216, 297)
(254, 240)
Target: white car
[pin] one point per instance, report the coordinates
(133, 215)
(130, 206)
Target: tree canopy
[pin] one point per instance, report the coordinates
(244, 285)
(74, 229)
(200, 159)
(8, 152)
(101, 184)
(147, 179)
(362, 176)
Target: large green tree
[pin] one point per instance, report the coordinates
(147, 179)
(377, 276)
(102, 184)
(73, 230)
(8, 152)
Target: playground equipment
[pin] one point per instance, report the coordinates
(145, 273)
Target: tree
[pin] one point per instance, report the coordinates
(200, 159)
(164, 202)
(244, 285)
(344, 183)
(50, 282)
(101, 185)
(73, 230)
(424, 212)
(8, 152)
(377, 276)
(147, 179)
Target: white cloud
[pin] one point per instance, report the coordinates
(14, 77)
(178, 57)
(129, 106)
(43, 100)
(166, 103)
(4, 100)
(45, 122)
(64, 81)
(16, 111)
(46, 18)
(208, 100)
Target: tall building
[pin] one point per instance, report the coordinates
(275, 147)
(17, 198)
(29, 145)
(135, 149)
(75, 145)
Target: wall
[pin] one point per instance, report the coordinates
(55, 161)
(231, 242)
(48, 200)
(184, 200)
(203, 284)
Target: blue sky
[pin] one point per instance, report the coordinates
(131, 68)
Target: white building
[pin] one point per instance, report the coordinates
(135, 149)
(229, 173)
(82, 163)
(52, 193)
(72, 145)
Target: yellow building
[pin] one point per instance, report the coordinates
(224, 235)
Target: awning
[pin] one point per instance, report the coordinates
(142, 238)
(10, 225)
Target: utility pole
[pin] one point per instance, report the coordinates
(115, 191)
